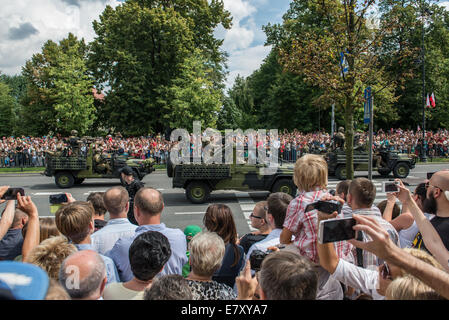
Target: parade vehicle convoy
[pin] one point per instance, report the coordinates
(393, 162)
(199, 180)
(74, 169)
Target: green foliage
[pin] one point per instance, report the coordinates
(310, 41)
(229, 115)
(192, 96)
(6, 110)
(59, 91)
(17, 86)
(410, 100)
(272, 98)
(74, 108)
(145, 53)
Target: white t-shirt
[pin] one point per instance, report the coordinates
(116, 291)
(406, 236)
(363, 279)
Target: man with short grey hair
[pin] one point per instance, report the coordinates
(116, 201)
(148, 207)
(83, 275)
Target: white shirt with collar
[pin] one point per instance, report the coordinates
(104, 239)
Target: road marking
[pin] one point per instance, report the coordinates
(247, 205)
(45, 193)
(196, 212)
(89, 192)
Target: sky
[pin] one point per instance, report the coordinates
(27, 25)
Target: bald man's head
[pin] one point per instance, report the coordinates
(83, 275)
(149, 201)
(116, 200)
(440, 179)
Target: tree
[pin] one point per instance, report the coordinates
(142, 47)
(283, 99)
(17, 85)
(311, 41)
(6, 110)
(59, 91)
(72, 93)
(192, 96)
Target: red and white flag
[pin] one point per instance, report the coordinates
(428, 102)
(432, 100)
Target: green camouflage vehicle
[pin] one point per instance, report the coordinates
(399, 164)
(71, 170)
(199, 180)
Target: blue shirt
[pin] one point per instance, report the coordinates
(11, 244)
(104, 239)
(227, 274)
(111, 270)
(178, 244)
(271, 240)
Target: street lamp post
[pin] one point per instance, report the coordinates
(423, 151)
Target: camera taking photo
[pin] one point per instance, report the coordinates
(325, 206)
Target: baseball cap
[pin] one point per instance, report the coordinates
(24, 281)
(192, 230)
(127, 171)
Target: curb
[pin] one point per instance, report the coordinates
(20, 174)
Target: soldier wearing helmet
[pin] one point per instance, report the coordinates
(74, 143)
(339, 139)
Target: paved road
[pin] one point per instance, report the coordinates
(178, 211)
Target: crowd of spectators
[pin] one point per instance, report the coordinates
(30, 152)
(400, 251)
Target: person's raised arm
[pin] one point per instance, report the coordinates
(286, 236)
(32, 237)
(328, 258)
(430, 236)
(7, 218)
(246, 283)
(382, 246)
(388, 212)
(8, 213)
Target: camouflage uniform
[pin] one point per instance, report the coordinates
(358, 145)
(339, 139)
(100, 163)
(74, 143)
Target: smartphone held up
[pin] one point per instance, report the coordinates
(338, 229)
(58, 198)
(11, 193)
(390, 186)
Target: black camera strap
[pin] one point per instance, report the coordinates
(359, 251)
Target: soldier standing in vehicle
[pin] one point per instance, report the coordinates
(74, 143)
(101, 163)
(132, 185)
(339, 138)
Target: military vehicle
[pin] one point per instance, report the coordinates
(71, 170)
(199, 180)
(399, 164)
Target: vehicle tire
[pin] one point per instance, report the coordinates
(79, 180)
(286, 186)
(64, 179)
(197, 192)
(169, 168)
(401, 170)
(384, 172)
(340, 172)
